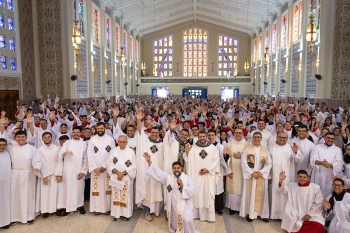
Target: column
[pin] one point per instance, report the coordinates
(304, 47)
(289, 48)
(103, 47)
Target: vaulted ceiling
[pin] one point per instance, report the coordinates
(145, 17)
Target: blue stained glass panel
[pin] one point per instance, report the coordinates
(13, 63)
(12, 44)
(2, 21)
(2, 42)
(11, 22)
(2, 3)
(3, 62)
(10, 5)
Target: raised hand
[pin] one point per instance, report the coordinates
(52, 115)
(139, 115)
(295, 147)
(116, 111)
(188, 148)
(29, 117)
(237, 155)
(326, 204)
(147, 157)
(225, 150)
(172, 124)
(282, 175)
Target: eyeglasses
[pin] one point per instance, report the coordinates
(122, 142)
(3, 144)
(238, 133)
(302, 131)
(337, 185)
(256, 137)
(330, 138)
(283, 137)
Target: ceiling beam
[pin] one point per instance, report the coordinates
(169, 27)
(221, 25)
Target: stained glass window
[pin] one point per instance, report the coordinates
(284, 30)
(228, 55)
(2, 21)
(131, 47)
(259, 46)
(13, 63)
(108, 34)
(12, 44)
(10, 5)
(117, 39)
(137, 51)
(255, 49)
(274, 38)
(2, 3)
(95, 25)
(195, 53)
(267, 41)
(2, 42)
(81, 17)
(11, 22)
(125, 44)
(297, 21)
(3, 62)
(163, 56)
(313, 6)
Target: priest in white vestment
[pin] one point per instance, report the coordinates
(284, 157)
(338, 205)
(305, 147)
(203, 166)
(234, 181)
(47, 188)
(327, 161)
(148, 191)
(26, 163)
(5, 185)
(256, 165)
(180, 190)
(75, 167)
(121, 166)
(224, 170)
(303, 212)
(98, 152)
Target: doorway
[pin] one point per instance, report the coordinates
(195, 92)
(8, 103)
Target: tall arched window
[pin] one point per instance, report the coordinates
(228, 55)
(163, 56)
(195, 53)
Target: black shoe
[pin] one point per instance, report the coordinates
(108, 213)
(65, 214)
(265, 220)
(127, 219)
(232, 212)
(249, 219)
(30, 222)
(46, 215)
(97, 213)
(116, 219)
(5, 227)
(82, 210)
(219, 212)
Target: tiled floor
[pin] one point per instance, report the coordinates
(90, 223)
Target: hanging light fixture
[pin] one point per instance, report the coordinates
(311, 33)
(122, 54)
(246, 63)
(75, 64)
(76, 38)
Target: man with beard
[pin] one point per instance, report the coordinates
(98, 152)
(203, 165)
(121, 166)
(234, 181)
(327, 161)
(224, 170)
(47, 188)
(174, 147)
(148, 193)
(180, 191)
(75, 166)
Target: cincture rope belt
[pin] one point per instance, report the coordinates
(31, 180)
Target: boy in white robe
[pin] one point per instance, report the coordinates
(303, 211)
(180, 191)
(5, 185)
(47, 188)
(121, 166)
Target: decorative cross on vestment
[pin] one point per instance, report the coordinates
(115, 160)
(169, 188)
(154, 149)
(203, 154)
(128, 163)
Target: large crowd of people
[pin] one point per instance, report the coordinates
(260, 157)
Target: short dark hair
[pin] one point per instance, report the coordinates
(329, 133)
(63, 138)
(302, 126)
(46, 133)
(201, 123)
(63, 124)
(185, 130)
(261, 120)
(212, 131)
(194, 126)
(100, 123)
(3, 140)
(156, 127)
(132, 126)
(257, 132)
(202, 132)
(302, 172)
(20, 132)
(77, 127)
(176, 163)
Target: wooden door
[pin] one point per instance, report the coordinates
(8, 103)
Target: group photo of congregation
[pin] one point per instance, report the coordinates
(184, 116)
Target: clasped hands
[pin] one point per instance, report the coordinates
(257, 174)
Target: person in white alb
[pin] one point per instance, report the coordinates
(5, 185)
(121, 166)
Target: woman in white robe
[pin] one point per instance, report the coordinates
(339, 205)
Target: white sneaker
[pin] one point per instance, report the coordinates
(148, 217)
